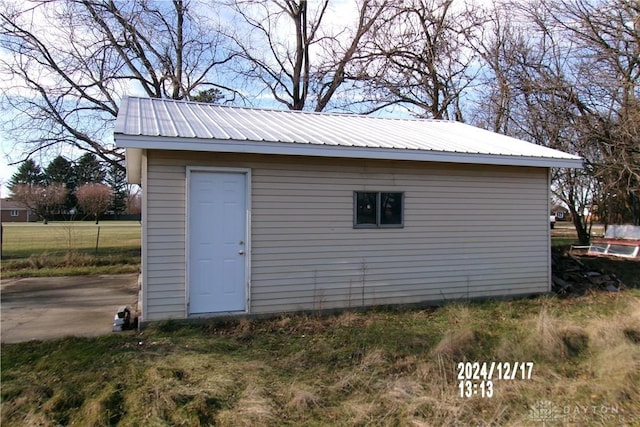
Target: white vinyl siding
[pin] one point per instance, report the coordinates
(469, 231)
(164, 220)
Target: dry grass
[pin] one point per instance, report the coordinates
(383, 368)
(252, 409)
(302, 398)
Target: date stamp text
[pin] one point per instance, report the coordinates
(477, 378)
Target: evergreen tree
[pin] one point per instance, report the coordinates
(89, 170)
(117, 180)
(210, 96)
(29, 173)
(61, 171)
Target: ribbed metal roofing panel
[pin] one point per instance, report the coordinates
(147, 117)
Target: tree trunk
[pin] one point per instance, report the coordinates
(581, 227)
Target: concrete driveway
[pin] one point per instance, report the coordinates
(43, 308)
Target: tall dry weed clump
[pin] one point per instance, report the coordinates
(39, 261)
(544, 337)
(70, 259)
(78, 259)
(592, 361)
(615, 364)
(253, 408)
(580, 358)
(301, 399)
(459, 341)
(554, 339)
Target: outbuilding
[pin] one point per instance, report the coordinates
(256, 211)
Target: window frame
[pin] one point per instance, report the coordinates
(378, 223)
(15, 213)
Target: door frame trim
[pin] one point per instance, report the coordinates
(247, 240)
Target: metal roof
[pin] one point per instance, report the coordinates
(149, 123)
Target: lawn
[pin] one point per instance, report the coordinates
(564, 233)
(70, 248)
(381, 367)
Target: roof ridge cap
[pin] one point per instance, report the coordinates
(302, 112)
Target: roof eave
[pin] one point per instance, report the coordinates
(315, 150)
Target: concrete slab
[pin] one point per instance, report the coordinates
(41, 308)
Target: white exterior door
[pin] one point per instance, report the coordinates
(217, 241)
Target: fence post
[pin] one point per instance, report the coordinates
(97, 240)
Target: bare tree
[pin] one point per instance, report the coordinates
(608, 38)
(134, 201)
(43, 200)
(501, 47)
(288, 49)
(420, 56)
(94, 199)
(67, 63)
(566, 75)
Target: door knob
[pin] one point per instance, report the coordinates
(241, 252)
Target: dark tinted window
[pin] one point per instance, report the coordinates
(390, 208)
(377, 209)
(366, 208)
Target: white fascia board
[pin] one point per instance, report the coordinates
(341, 151)
(133, 164)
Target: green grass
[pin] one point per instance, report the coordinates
(382, 367)
(69, 248)
(564, 233)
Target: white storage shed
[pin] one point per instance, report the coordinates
(253, 211)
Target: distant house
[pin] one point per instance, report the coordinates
(561, 213)
(251, 211)
(14, 211)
